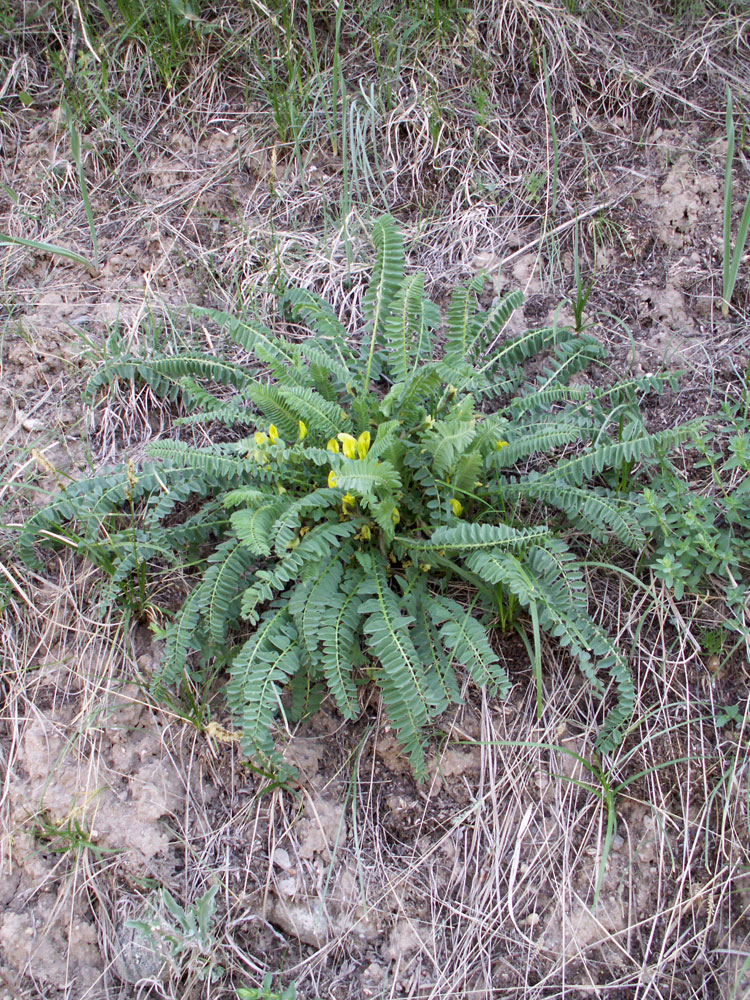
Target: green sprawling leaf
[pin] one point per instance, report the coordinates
(467, 640)
(366, 477)
(470, 537)
(254, 526)
(228, 566)
(317, 314)
(462, 320)
(404, 328)
(263, 666)
(387, 274)
(401, 676)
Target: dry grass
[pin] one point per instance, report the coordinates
(481, 883)
(485, 878)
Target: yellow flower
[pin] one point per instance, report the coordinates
(457, 507)
(347, 502)
(348, 445)
(363, 443)
(395, 516)
(501, 444)
(365, 533)
(333, 446)
(302, 431)
(260, 438)
(273, 434)
(332, 480)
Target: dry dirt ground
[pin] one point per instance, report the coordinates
(499, 877)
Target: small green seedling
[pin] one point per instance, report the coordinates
(727, 715)
(72, 835)
(265, 992)
(181, 935)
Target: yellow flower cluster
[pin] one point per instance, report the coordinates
(351, 447)
(262, 440)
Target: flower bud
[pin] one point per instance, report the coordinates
(348, 445)
(363, 443)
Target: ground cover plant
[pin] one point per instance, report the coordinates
(175, 175)
(384, 472)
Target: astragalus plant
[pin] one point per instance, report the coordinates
(391, 500)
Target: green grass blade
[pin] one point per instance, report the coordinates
(726, 290)
(739, 248)
(50, 248)
(75, 145)
(731, 260)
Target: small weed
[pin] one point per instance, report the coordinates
(728, 715)
(534, 186)
(182, 936)
(740, 978)
(554, 180)
(71, 836)
(75, 146)
(703, 536)
(266, 992)
(712, 641)
(482, 105)
(166, 29)
(606, 232)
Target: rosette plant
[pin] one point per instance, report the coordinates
(387, 500)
